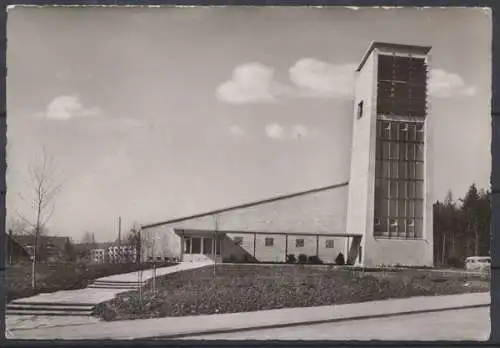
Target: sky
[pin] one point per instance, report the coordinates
(156, 113)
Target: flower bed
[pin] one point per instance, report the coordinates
(243, 288)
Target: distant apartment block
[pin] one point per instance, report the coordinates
(107, 252)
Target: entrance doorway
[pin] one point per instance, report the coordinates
(201, 248)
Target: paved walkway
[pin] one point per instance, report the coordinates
(175, 327)
(91, 296)
(452, 325)
(95, 296)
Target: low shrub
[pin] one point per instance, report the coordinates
(315, 260)
(230, 259)
(302, 258)
(249, 259)
(290, 258)
(340, 260)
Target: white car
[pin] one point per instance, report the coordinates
(478, 263)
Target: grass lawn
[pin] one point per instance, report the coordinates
(244, 288)
(53, 277)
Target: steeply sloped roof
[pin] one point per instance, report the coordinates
(247, 205)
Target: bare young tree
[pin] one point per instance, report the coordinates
(44, 185)
(88, 243)
(18, 227)
(134, 240)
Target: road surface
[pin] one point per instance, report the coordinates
(465, 324)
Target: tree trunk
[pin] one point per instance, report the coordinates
(443, 260)
(33, 262)
(453, 244)
(476, 240)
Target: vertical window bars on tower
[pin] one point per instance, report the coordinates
(399, 179)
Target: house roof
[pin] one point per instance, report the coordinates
(57, 241)
(416, 49)
(246, 205)
(79, 247)
(10, 239)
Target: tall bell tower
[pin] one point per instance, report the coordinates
(390, 200)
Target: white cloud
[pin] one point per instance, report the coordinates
(443, 84)
(67, 107)
(316, 78)
(275, 131)
(236, 130)
(250, 83)
(313, 78)
(295, 132)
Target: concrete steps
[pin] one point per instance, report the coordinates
(120, 285)
(49, 309)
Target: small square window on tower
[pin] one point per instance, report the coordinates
(299, 243)
(269, 241)
(360, 109)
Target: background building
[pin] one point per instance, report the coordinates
(106, 252)
(50, 248)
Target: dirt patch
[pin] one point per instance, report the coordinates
(244, 288)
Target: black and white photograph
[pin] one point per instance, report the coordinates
(248, 173)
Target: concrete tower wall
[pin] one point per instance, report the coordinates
(376, 251)
(360, 204)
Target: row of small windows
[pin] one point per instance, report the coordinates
(299, 242)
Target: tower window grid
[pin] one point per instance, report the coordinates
(399, 171)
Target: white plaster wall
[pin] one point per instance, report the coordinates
(428, 232)
(328, 255)
(246, 247)
(309, 248)
(275, 253)
(391, 252)
(160, 241)
(361, 181)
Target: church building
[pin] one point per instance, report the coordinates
(381, 216)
